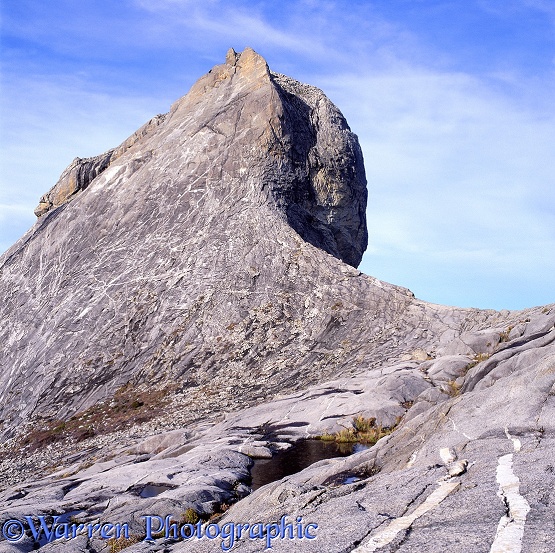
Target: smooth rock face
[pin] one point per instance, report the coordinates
(211, 256)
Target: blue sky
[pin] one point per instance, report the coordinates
(452, 102)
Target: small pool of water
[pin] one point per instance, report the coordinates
(297, 458)
(152, 490)
(351, 480)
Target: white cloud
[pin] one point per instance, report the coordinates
(235, 23)
(319, 31)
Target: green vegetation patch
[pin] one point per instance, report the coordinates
(363, 430)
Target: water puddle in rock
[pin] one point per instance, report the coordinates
(152, 490)
(351, 480)
(297, 458)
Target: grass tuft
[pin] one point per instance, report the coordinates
(364, 430)
(119, 544)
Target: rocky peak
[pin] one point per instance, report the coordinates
(270, 121)
(209, 209)
(301, 135)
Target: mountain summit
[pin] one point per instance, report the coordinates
(248, 135)
(145, 252)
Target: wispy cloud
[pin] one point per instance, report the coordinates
(510, 7)
(317, 31)
(233, 22)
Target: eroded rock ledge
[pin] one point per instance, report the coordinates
(81, 172)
